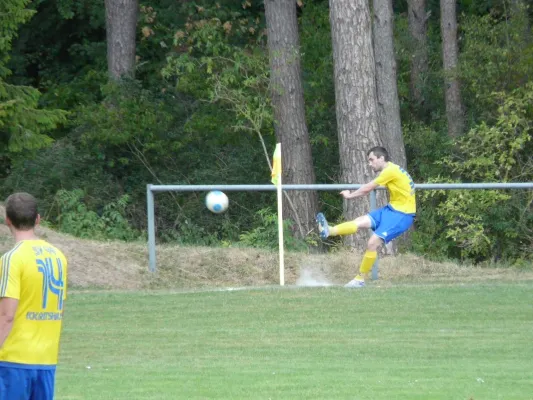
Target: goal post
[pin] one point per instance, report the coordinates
(151, 190)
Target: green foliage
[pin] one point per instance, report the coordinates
(200, 112)
(61, 52)
(12, 14)
(429, 236)
(76, 219)
(214, 66)
(500, 149)
(137, 137)
(496, 56)
(140, 137)
(465, 215)
(403, 49)
(221, 61)
(319, 90)
(422, 165)
(63, 165)
(492, 224)
(265, 233)
(432, 110)
(129, 117)
(193, 229)
(23, 125)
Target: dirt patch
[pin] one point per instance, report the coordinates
(118, 265)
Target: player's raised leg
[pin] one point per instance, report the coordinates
(344, 229)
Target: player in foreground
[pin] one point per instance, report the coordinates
(33, 287)
(387, 222)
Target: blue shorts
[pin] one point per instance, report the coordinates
(26, 384)
(388, 224)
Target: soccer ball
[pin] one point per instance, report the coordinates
(216, 201)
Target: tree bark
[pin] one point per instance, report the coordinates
(419, 60)
(355, 98)
(452, 90)
(289, 112)
(390, 124)
(121, 26)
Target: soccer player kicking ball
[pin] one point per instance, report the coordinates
(33, 287)
(387, 222)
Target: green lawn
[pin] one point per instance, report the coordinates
(418, 342)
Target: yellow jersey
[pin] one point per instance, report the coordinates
(401, 188)
(35, 273)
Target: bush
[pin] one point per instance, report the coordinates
(76, 219)
(488, 224)
(265, 233)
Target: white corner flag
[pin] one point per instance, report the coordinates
(276, 180)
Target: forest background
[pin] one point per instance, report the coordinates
(190, 100)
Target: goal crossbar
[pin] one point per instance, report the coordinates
(152, 189)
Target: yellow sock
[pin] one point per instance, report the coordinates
(368, 261)
(346, 228)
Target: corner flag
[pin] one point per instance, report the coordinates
(276, 180)
(276, 165)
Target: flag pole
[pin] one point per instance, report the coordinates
(280, 235)
(276, 179)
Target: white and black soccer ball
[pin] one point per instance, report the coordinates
(216, 201)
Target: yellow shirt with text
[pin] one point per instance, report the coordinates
(35, 273)
(401, 188)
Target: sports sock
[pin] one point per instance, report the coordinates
(368, 261)
(346, 228)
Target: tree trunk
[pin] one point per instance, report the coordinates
(121, 26)
(390, 125)
(452, 90)
(419, 60)
(355, 98)
(289, 112)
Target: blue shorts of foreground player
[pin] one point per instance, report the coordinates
(388, 224)
(26, 383)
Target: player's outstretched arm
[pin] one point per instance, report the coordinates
(362, 191)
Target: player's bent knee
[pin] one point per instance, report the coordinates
(374, 243)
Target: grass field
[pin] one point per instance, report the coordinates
(441, 341)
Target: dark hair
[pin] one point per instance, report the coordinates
(379, 152)
(21, 209)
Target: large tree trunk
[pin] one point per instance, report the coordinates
(452, 89)
(121, 26)
(419, 49)
(289, 111)
(355, 97)
(390, 125)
